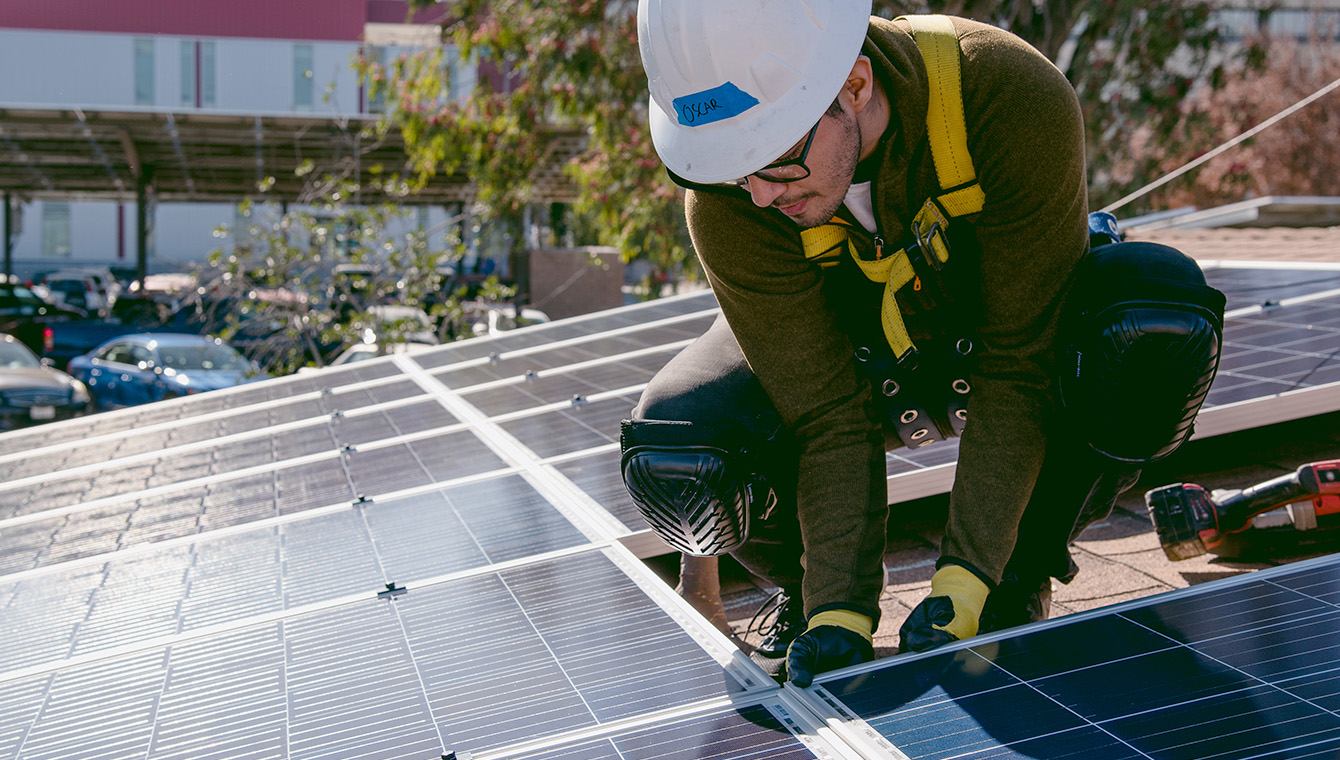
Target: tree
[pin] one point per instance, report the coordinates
(575, 64)
(1297, 156)
(547, 66)
(1132, 65)
(298, 285)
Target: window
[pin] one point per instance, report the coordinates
(302, 77)
(207, 99)
(56, 229)
(188, 74)
(119, 353)
(377, 100)
(144, 72)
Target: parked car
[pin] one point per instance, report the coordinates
(75, 289)
(103, 279)
(27, 316)
(145, 367)
(32, 392)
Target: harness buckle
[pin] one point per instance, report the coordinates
(932, 243)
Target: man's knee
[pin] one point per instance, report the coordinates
(698, 486)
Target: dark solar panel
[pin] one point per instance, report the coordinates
(215, 580)
(469, 664)
(1243, 668)
(746, 732)
(1247, 286)
(198, 579)
(576, 427)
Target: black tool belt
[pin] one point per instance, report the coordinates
(923, 397)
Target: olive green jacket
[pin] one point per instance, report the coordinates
(1026, 139)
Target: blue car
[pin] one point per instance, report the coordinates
(138, 369)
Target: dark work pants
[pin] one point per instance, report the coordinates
(710, 383)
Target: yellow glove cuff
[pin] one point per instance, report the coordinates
(852, 621)
(967, 592)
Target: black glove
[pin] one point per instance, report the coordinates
(950, 613)
(834, 639)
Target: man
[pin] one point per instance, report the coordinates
(766, 437)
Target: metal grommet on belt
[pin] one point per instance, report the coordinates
(917, 436)
(890, 388)
(960, 386)
(862, 353)
(909, 416)
(964, 346)
(961, 413)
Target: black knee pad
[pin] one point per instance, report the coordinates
(693, 484)
(1144, 333)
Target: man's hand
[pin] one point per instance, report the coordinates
(834, 639)
(950, 613)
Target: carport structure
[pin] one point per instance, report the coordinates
(152, 155)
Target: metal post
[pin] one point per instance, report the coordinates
(9, 236)
(143, 222)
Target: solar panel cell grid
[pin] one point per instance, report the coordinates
(497, 658)
(1246, 287)
(1251, 666)
(548, 389)
(211, 581)
(749, 732)
(598, 475)
(521, 653)
(574, 428)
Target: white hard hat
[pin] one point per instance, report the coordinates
(737, 83)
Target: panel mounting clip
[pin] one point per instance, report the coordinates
(391, 591)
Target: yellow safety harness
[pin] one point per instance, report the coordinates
(960, 192)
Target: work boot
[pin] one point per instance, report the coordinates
(1016, 601)
(779, 621)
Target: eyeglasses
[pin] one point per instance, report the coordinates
(784, 169)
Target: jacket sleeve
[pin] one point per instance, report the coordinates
(1027, 143)
(774, 302)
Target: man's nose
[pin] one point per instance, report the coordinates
(764, 192)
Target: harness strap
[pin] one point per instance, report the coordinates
(948, 137)
(945, 125)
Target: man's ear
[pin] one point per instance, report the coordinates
(859, 88)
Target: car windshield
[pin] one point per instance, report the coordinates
(14, 355)
(68, 287)
(19, 293)
(211, 357)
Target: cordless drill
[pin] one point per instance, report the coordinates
(1191, 521)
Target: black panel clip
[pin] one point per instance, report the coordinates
(391, 591)
(461, 755)
(362, 499)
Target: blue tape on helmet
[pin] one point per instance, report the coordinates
(715, 104)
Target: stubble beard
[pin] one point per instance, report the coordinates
(823, 205)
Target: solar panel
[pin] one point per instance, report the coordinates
(1241, 668)
(1279, 362)
(420, 555)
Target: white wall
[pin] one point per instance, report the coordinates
(98, 71)
(66, 68)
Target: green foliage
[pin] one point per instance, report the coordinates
(549, 67)
(1132, 65)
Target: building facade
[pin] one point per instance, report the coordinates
(229, 56)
